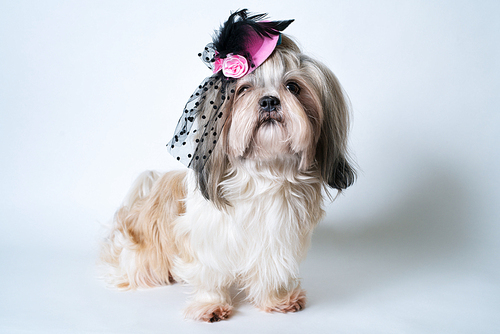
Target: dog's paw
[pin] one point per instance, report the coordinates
(208, 312)
(293, 302)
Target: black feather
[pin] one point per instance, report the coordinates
(232, 35)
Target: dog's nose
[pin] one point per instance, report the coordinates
(269, 103)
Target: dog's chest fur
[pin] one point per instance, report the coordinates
(273, 210)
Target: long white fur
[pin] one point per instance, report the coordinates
(260, 240)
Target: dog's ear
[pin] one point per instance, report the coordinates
(209, 176)
(334, 167)
(331, 150)
(341, 175)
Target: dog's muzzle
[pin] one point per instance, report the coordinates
(269, 109)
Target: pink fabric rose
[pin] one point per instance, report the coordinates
(233, 66)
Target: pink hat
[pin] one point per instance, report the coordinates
(243, 43)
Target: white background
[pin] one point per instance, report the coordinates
(90, 93)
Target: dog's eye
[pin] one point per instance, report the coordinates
(243, 89)
(293, 88)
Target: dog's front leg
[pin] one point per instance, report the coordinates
(211, 301)
(271, 296)
(209, 306)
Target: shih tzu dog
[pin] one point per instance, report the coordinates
(262, 137)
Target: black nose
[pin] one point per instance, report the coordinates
(269, 103)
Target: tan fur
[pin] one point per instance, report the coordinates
(146, 225)
(209, 312)
(291, 302)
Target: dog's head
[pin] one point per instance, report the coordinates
(290, 108)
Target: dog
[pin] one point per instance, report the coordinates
(244, 215)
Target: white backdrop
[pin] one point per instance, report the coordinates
(90, 92)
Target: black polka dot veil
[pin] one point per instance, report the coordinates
(203, 117)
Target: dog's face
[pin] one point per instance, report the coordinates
(276, 112)
(290, 108)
